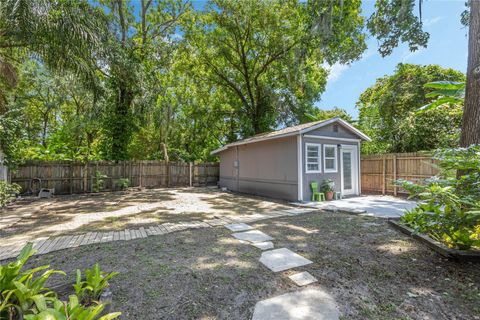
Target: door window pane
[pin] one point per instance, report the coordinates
(347, 170)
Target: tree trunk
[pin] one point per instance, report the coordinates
(167, 161)
(471, 110)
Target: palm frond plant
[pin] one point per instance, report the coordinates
(65, 35)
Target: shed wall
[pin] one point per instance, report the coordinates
(266, 168)
(319, 177)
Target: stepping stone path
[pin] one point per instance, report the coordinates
(252, 236)
(314, 304)
(236, 227)
(302, 278)
(282, 259)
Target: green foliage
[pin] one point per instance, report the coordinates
(123, 183)
(160, 80)
(23, 294)
(328, 185)
(446, 93)
(320, 114)
(98, 181)
(389, 111)
(450, 208)
(8, 192)
(268, 54)
(394, 21)
(96, 281)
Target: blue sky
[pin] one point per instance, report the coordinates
(447, 47)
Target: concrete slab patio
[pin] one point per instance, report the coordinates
(374, 205)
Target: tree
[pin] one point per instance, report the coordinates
(388, 111)
(317, 114)
(268, 54)
(471, 113)
(63, 35)
(395, 20)
(136, 48)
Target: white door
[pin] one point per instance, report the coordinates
(349, 172)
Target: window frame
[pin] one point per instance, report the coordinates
(319, 147)
(325, 158)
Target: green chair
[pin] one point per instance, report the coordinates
(320, 196)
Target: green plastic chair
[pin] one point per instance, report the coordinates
(320, 196)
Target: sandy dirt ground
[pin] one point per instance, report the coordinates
(25, 221)
(371, 270)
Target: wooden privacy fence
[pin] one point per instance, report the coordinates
(68, 177)
(380, 170)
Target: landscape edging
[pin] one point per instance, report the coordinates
(454, 254)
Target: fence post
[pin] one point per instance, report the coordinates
(395, 174)
(141, 171)
(71, 177)
(205, 171)
(384, 175)
(190, 173)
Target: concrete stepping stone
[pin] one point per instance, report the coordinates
(297, 211)
(263, 245)
(252, 236)
(302, 278)
(236, 227)
(314, 304)
(282, 259)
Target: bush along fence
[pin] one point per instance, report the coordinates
(68, 177)
(379, 171)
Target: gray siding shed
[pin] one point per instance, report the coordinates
(274, 164)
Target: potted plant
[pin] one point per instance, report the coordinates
(328, 187)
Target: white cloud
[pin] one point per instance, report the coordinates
(410, 54)
(335, 71)
(431, 21)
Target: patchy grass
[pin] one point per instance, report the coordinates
(372, 271)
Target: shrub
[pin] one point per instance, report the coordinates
(8, 192)
(98, 182)
(23, 295)
(450, 204)
(96, 281)
(328, 185)
(123, 183)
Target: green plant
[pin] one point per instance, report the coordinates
(96, 281)
(98, 181)
(328, 185)
(123, 183)
(450, 204)
(23, 295)
(8, 191)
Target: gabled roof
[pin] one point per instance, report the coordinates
(292, 131)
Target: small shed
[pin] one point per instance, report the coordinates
(281, 164)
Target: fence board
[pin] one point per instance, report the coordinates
(379, 170)
(68, 177)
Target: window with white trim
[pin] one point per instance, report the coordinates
(330, 157)
(312, 158)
